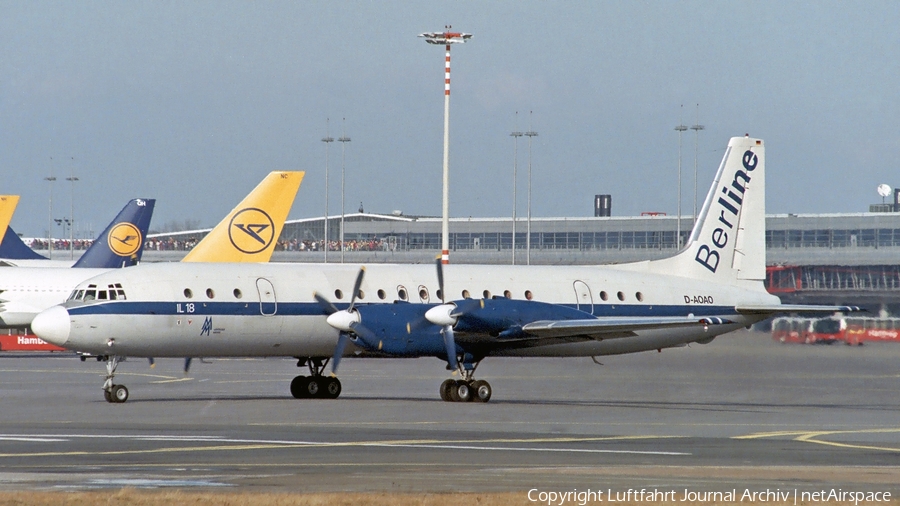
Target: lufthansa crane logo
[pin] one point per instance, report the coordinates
(124, 239)
(251, 230)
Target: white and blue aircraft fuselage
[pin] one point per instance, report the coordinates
(314, 311)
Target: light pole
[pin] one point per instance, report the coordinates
(327, 140)
(680, 128)
(343, 139)
(446, 38)
(515, 135)
(696, 128)
(72, 180)
(51, 178)
(530, 133)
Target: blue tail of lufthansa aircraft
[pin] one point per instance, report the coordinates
(122, 243)
(12, 248)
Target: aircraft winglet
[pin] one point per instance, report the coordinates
(250, 231)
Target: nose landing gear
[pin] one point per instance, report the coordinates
(115, 394)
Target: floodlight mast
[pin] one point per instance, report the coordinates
(446, 38)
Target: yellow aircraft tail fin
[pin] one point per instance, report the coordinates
(8, 205)
(250, 231)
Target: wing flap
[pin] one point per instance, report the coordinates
(796, 308)
(608, 328)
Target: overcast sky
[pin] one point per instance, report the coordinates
(192, 103)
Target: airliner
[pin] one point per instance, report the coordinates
(460, 314)
(26, 291)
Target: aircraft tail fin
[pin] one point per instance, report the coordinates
(122, 243)
(728, 241)
(8, 205)
(11, 246)
(250, 231)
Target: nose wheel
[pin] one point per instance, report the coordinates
(114, 394)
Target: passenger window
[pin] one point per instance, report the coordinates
(401, 293)
(237, 294)
(465, 294)
(381, 294)
(188, 293)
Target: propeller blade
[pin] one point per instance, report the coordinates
(339, 351)
(356, 286)
(440, 277)
(325, 303)
(367, 337)
(152, 362)
(187, 364)
(450, 345)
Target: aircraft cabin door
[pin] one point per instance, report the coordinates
(268, 306)
(584, 301)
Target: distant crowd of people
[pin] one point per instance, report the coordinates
(60, 244)
(170, 244)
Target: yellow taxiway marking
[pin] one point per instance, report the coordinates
(812, 436)
(301, 444)
(171, 380)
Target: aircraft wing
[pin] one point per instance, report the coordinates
(606, 328)
(796, 308)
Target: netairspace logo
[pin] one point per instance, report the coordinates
(795, 496)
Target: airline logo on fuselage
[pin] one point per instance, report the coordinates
(729, 211)
(124, 239)
(251, 230)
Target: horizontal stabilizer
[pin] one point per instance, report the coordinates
(617, 327)
(796, 308)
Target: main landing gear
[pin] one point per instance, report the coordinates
(315, 385)
(466, 389)
(115, 394)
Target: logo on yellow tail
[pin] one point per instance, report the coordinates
(251, 230)
(124, 239)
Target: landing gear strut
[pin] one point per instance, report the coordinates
(466, 389)
(315, 385)
(115, 394)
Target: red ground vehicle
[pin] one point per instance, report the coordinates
(792, 329)
(855, 330)
(862, 329)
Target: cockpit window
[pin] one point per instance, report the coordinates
(114, 292)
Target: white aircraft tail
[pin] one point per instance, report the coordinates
(728, 242)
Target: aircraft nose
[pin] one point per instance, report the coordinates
(52, 325)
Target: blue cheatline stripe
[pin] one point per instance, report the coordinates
(126, 307)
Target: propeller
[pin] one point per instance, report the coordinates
(346, 321)
(187, 364)
(444, 315)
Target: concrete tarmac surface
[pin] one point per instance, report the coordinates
(741, 412)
